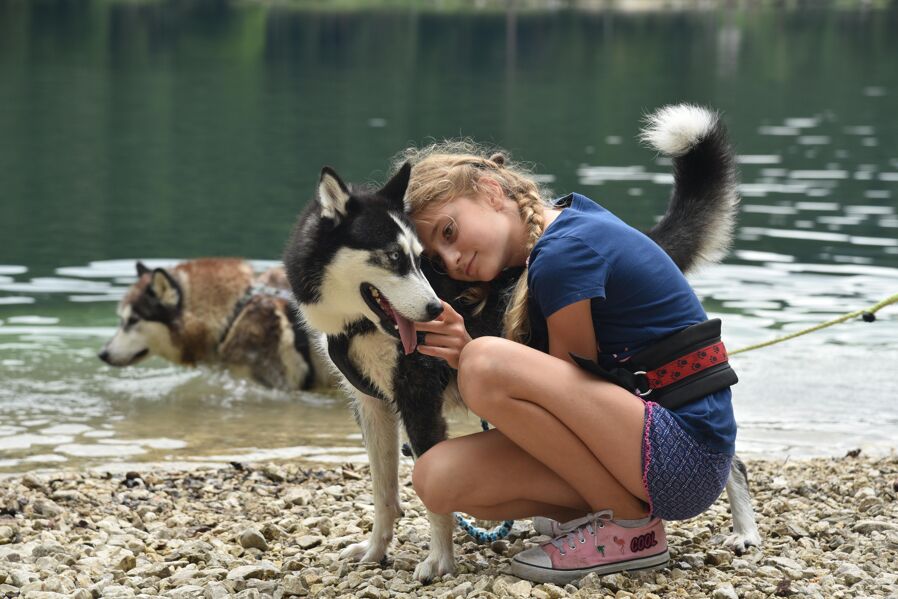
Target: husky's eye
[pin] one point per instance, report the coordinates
(437, 263)
(393, 256)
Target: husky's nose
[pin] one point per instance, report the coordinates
(434, 309)
(104, 355)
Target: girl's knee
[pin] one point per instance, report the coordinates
(479, 371)
(430, 477)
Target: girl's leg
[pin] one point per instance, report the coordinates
(490, 477)
(587, 431)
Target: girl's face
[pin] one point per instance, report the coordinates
(473, 238)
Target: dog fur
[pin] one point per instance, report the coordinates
(204, 312)
(352, 248)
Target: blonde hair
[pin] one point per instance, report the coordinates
(445, 170)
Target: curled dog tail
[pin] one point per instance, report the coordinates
(698, 225)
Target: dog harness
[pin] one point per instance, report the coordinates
(251, 292)
(255, 290)
(338, 350)
(676, 370)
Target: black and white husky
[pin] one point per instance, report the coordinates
(354, 263)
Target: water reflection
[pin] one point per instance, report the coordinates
(149, 129)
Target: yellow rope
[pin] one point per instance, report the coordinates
(872, 310)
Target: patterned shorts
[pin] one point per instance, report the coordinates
(682, 478)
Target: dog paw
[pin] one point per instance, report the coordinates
(433, 566)
(363, 552)
(740, 543)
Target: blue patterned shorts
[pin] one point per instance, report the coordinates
(682, 478)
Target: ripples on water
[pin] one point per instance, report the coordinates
(817, 237)
(62, 407)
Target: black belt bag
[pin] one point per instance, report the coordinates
(675, 370)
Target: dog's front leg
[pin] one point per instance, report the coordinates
(426, 427)
(440, 559)
(380, 432)
(745, 529)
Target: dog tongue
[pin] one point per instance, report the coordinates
(406, 333)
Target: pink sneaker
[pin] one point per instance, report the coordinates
(552, 528)
(596, 545)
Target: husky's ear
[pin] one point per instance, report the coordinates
(394, 189)
(141, 269)
(332, 194)
(165, 288)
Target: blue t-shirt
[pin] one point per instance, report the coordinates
(637, 295)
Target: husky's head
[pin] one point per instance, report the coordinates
(355, 254)
(145, 315)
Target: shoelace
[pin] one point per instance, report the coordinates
(591, 524)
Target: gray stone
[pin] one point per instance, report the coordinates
(309, 541)
(615, 582)
(185, 575)
(297, 496)
(252, 538)
(463, 590)
(769, 572)
(34, 482)
(500, 547)
(117, 591)
(552, 591)
(195, 552)
(293, 585)
(216, 590)
(590, 582)
(274, 473)
(784, 562)
(718, 557)
(7, 535)
(695, 560)
(262, 570)
(501, 583)
(850, 573)
(47, 508)
(188, 591)
(868, 526)
(724, 591)
(520, 589)
(128, 562)
(68, 495)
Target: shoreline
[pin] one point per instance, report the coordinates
(830, 529)
(354, 455)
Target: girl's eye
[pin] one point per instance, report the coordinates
(449, 230)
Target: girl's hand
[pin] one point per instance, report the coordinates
(443, 337)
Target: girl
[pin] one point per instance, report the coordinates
(602, 465)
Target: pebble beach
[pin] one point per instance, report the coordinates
(829, 528)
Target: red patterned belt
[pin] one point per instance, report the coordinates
(671, 369)
(693, 363)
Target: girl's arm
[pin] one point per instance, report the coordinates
(571, 331)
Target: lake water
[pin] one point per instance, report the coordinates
(164, 131)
